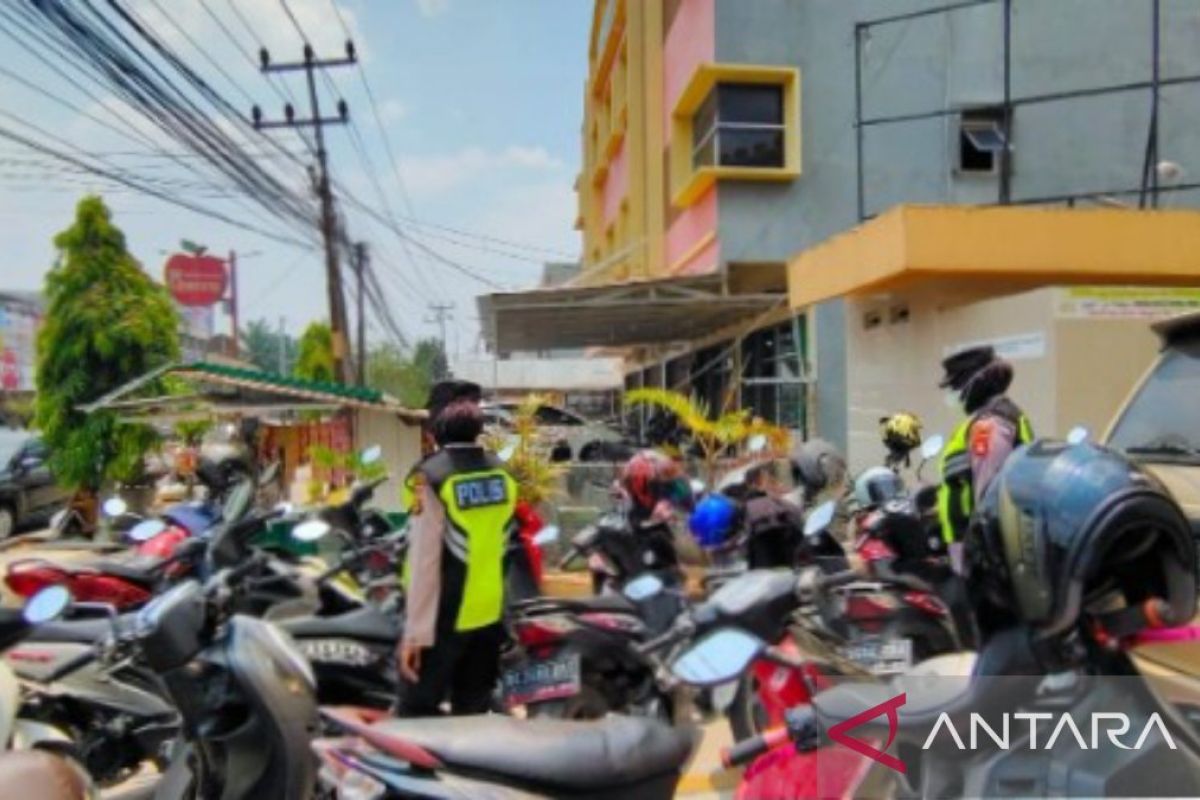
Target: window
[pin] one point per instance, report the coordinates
(739, 125)
(1162, 422)
(548, 415)
(773, 375)
(981, 140)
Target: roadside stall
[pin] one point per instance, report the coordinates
(292, 419)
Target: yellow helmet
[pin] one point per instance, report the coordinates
(901, 432)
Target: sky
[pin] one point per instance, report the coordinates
(480, 102)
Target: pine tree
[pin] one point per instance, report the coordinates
(106, 323)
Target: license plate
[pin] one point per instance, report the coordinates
(535, 681)
(881, 656)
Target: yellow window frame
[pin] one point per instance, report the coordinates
(688, 182)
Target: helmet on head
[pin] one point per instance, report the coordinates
(714, 520)
(876, 486)
(1068, 529)
(651, 477)
(817, 465)
(901, 433)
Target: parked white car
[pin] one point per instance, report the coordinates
(573, 438)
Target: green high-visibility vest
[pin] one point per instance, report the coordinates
(480, 498)
(479, 506)
(956, 495)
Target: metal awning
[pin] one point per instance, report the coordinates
(224, 389)
(645, 312)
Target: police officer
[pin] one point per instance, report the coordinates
(978, 447)
(461, 521)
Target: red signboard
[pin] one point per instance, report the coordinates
(195, 280)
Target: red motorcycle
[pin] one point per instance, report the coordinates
(889, 617)
(125, 584)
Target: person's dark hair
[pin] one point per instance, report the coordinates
(460, 422)
(991, 381)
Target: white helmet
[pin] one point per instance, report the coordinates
(876, 486)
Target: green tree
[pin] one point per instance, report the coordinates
(106, 323)
(314, 362)
(430, 356)
(261, 346)
(389, 370)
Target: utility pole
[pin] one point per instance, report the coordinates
(281, 340)
(233, 302)
(310, 64)
(439, 314)
(360, 270)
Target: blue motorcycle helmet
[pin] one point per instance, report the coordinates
(713, 521)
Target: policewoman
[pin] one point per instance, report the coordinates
(462, 516)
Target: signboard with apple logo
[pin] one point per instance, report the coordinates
(195, 279)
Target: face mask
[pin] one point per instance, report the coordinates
(952, 400)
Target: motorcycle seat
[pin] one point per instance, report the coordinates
(604, 602)
(140, 571)
(43, 775)
(553, 754)
(362, 623)
(75, 631)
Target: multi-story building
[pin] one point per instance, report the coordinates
(723, 139)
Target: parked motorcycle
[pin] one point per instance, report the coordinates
(577, 658)
(502, 757)
(244, 695)
(40, 772)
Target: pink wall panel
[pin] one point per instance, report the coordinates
(691, 41)
(691, 226)
(616, 184)
(706, 260)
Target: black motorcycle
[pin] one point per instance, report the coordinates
(244, 693)
(576, 658)
(503, 758)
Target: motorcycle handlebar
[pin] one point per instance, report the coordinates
(810, 583)
(572, 554)
(676, 633)
(1153, 613)
(747, 750)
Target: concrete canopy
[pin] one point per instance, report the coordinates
(647, 312)
(999, 250)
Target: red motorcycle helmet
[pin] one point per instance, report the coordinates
(651, 477)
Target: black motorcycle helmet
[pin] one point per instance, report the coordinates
(1065, 531)
(816, 466)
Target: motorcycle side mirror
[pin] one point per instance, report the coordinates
(510, 448)
(718, 658)
(820, 518)
(46, 605)
(311, 531)
(757, 443)
(371, 454)
(146, 530)
(238, 502)
(546, 535)
(114, 507)
(932, 446)
(643, 588)
(268, 475)
(1078, 435)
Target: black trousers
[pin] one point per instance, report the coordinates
(462, 667)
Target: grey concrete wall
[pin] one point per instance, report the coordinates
(941, 61)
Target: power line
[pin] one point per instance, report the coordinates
(133, 184)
